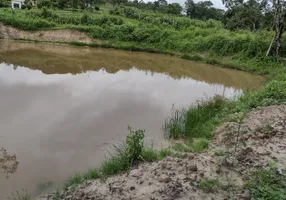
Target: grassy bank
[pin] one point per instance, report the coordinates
(133, 29)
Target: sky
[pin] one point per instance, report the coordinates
(217, 3)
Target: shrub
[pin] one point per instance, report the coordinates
(44, 3)
(84, 18)
(45, 12)
(134, 144)
(273, 93)
(29, 5)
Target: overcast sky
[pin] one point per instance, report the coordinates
(217, 3)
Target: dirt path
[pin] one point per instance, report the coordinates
(8, 32)
(262, 140)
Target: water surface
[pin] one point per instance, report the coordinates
(61, 107)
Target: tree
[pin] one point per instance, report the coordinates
(202, 10)
(247, 15)
(279, 19)
(4, 3)
(278, 9)
(174, 9)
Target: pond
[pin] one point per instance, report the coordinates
(62, 107)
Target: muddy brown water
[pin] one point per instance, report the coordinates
(62, 107)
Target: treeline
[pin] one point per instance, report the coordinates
(251, 14)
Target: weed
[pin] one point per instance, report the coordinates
(114, 165)
(208, 185)
(199, 144)
(267, 184)
(92, 174)
(164, 153)
(267, 128)
(174, 126)
(149, 155)
(220, 152)
(182, 147)
(75, 179)
(56, 195)
(238, 133)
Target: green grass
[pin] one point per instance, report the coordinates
(181, 147)
(208, 185)
(194, 145)
(267, 184)
(197, 121)
(73, 180)
(199, 144)
(92, 174)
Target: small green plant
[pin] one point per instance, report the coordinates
(92, 174)
(238, 133)
(199, 144)
(181, 147)
(134, 144)
(75, 179)
(56, 195)
(149, 155)
(174, 126)
(220, 152)
(267, 128)
(125, 154)
(114, 165)
(164, 153)
(267, 184)
(208, 185)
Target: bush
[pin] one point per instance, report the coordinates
(273, 93)
(29, 6)
(134, 145)
(44, 3)
(45, 12)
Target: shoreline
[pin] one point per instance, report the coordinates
(36, 36)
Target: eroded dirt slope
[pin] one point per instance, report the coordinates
(8, 32)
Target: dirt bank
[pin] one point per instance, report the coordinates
(8, 32)
(262, 140)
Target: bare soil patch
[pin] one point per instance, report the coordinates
(64, 35)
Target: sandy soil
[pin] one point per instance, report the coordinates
(8, 32)
(262, 139)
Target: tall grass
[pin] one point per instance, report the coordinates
(197, 121)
